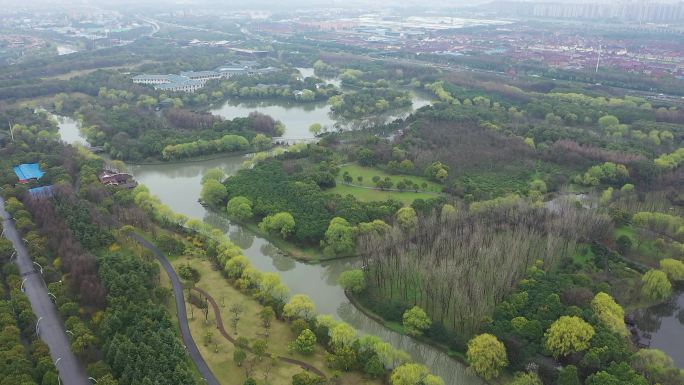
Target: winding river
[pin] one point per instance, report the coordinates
(178, 186)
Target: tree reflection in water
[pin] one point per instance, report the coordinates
(241, 237)
(280, 261)
(665, 324)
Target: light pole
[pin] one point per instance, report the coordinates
(39, 266)
(54, 299)
(94, 381)
(59, 381)
(14, 254)
(37, 324)
(22, 284)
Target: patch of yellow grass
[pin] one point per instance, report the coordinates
(249, 326)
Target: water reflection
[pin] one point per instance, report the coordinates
(297, 117)
(241, 237)
(70, 130)
(307, 72)
(283, 262)
(665, 323)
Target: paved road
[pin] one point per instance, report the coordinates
(194, 352)
(50, 326)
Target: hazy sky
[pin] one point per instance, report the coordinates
(161, 5)
(241, 4)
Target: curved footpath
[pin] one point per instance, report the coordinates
(190, 344)
(49, 326)
(221, 328)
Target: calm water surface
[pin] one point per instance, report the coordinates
(665, 323)
(69, 130)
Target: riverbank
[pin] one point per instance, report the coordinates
(195, 159)
(396, 327)
(310, 255)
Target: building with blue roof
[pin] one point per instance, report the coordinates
(28, 171)
(42, 192)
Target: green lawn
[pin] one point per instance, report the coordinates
(646, 251)
(367, 194)
(364, 194)
(369, 172)
(582, 257)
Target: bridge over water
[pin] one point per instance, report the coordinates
(283, 141)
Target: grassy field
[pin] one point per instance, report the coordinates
(219, 352)
(644, 250)
(369, 172)
(582, 257)
(75, 73)
(367, 194)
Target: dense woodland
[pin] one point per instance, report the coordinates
(298, 188)
(130, 130)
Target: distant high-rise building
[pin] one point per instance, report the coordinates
(635, 10)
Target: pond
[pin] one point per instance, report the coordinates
(665, 325)
(69, 130)
(297, 117)
(308, 72)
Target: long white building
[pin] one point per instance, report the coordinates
(174, 83)
(191, 81)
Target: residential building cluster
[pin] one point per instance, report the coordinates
(624, 10)
(570, 47)
(71, 30)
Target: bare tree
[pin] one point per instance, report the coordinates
(236, 309)
(458, 269)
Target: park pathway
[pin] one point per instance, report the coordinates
(190, 344)
(222, 329)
